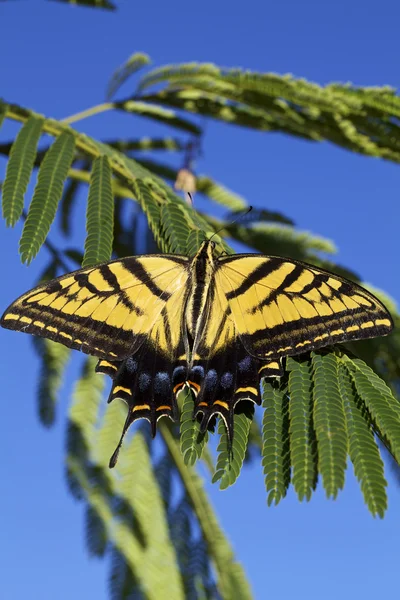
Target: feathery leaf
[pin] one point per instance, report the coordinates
(192, 441)
(329, 422)
(54, 360)
(52, 175)
(19, 169)
(363, 451)
(99, 215)
(303, 443)
(135, 62)
(158, 113)
(379, 400)
(230, 460)
(275, 435)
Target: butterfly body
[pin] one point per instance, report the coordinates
(215, 323)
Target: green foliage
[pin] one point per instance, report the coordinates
(363, 451)
(329, 407)
(271, 102)
(19, 169)
(157, 113)
(329, 423)
(230, 459)
(99, 215)
(135, 62)
(192, 441)
(54, 358)
(303, 441)
(275, 440)
(46, 197)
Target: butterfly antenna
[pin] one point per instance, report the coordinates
(238, 218)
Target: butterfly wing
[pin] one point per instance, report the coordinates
(284, 307)
(108, 310)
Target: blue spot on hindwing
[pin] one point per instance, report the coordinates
(198, 370)
(245, 364)
(131, 365)
(162, 383)
(211, 379)
(226, 380)
(144, 381)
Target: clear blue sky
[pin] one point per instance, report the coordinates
(56, 59)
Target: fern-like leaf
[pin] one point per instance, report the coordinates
(329, 422)
(303, 443)
(382, 405)
(159, 564)
(96, 533)
(230, 460)
(275, 434)
(135, 62)
(220, 194)
(194, 241)
(86, 400)
(52, 175)
(67, 204)
(19, 169)
(175, 226)
(158, 113)
(99, 215)
(54, 361)
(192, 441)
(363, 451)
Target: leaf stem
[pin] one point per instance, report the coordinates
(89, 112)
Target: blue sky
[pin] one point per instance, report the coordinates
(56, 59)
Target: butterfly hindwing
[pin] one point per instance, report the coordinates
(107, 310)
(282, 307)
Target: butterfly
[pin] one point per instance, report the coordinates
(217, 324)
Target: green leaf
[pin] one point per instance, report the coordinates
(220, 194)
(230, 461)
(329, 422)
(67, 203)
(54, 361)
(135, 62)
(149, 201)
(192, 441)
(379, 400)
(99, 215)
(86, 401)
(363, 451)
(96, 533)
(176, 227)
(158, 113)
(146, 144)
(109, 432)
(52, 175)
(194, 241)
(19, 169)
(303, 442)
(158, 569)
(275, 435)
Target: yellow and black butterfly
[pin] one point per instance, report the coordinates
(218, 324)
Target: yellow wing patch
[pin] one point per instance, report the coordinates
(107, 310)
(282, 307)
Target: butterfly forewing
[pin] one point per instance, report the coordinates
(107, 310)
(282, 307)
